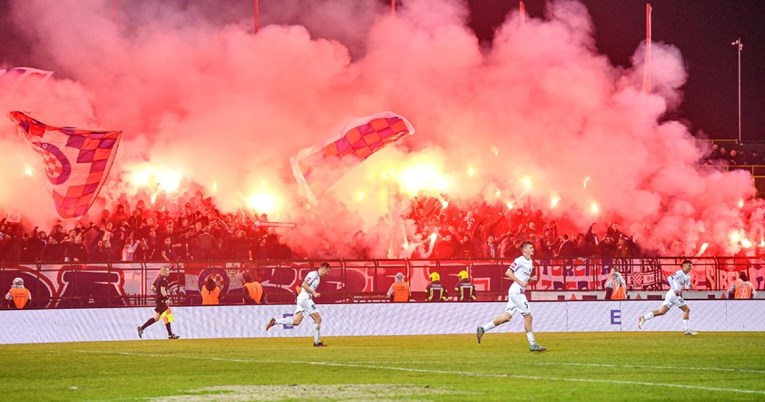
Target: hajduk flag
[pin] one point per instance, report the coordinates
(317, 168)
(76, 161)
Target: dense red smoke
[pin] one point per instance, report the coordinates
(538, 117)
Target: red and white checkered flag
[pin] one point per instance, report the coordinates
(76, 161)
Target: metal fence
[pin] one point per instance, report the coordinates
(129, 284)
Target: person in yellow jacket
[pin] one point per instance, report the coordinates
(435, 290)
(399, 290)
(465, 289)
(252, 290)
(210, 292)
(742, 288)
(18, 296)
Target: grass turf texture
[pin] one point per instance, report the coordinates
(578, 366)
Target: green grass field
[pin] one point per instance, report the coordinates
(577, 366)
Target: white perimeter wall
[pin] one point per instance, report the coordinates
(111, 324)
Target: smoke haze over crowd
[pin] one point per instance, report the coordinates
(537, 117)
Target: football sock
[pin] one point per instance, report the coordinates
(316, 337)
(169, 331)
(530, 337)
(648, 316)
(285, 321)
(148, 322)
(685, 324)
(489, 326)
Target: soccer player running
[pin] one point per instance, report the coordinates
(160, 287)
(305, 304)
(674, 297)
(520, 271)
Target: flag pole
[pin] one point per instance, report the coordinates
(257, 16)
(647, 65)
(739, 46)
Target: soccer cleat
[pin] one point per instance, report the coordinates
(319, 345)
(271, 323)
(173, 336)
(690, 332)
(641, 321)
(140, 332)
(479, 333)
(537, 348)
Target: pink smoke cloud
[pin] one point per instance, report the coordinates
(199, 95)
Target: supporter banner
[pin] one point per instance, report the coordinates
(591, 273)
(370, 319)
(129, 284)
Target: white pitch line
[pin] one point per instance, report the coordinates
(107, 352)
(532, 377)
(733, 370)
(447, 372)
(727, 370)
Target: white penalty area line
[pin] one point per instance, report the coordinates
(446, 372)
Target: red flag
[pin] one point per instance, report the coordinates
(316, 169)
(76, 161)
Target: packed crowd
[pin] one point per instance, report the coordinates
(496, 231)
(198, 231)
(732, 154)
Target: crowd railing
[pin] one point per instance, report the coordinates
(114, 284)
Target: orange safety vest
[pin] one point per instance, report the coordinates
(210, 297)
(20, 297)
(255, 290)
(743, 290)
(619, 293)
(400, 292)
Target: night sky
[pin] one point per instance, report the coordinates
(701, 29)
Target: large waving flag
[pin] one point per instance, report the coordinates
(76, 161)
(317, 168)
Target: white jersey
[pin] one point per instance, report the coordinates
(312, 279)
(522, 268)
(679, 280)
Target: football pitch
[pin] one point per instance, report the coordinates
(577, 366)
